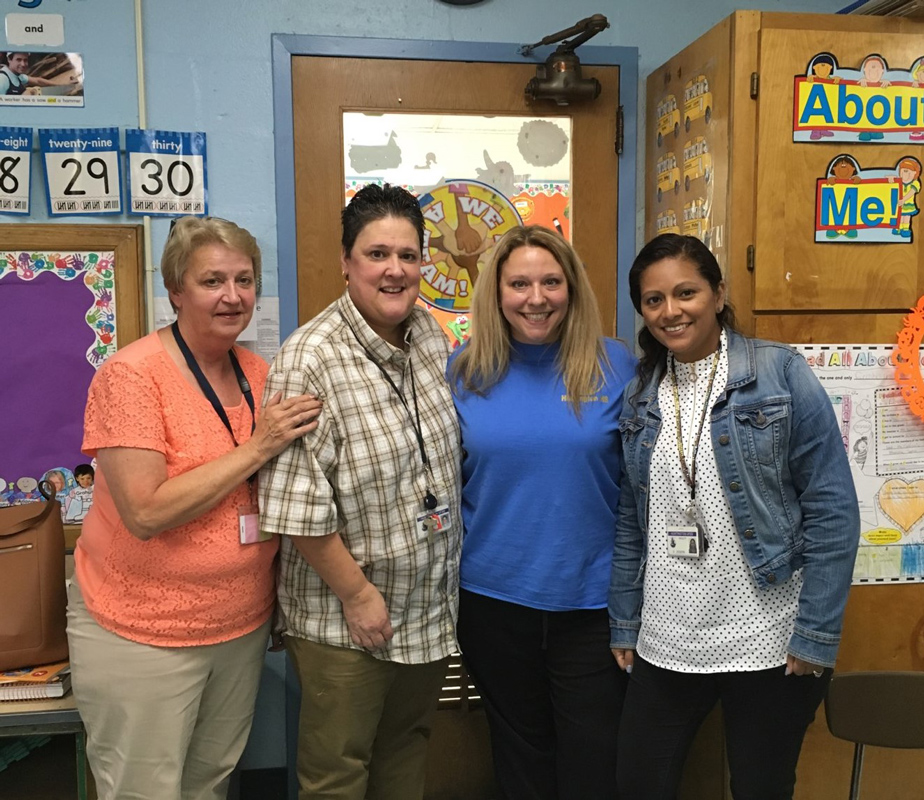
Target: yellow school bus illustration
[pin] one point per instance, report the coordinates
(696, 219)
(697, 101)
(668, 118)
(668, 174)
(666, 222)
(697, 161)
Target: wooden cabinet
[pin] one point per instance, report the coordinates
(756, 210)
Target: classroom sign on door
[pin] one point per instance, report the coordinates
(869, 103)
(873, 204)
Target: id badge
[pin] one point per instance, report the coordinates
(684, 541)
(437, 521)
(248, 520)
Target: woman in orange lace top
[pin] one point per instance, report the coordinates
(169, 614)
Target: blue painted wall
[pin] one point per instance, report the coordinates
(207, 66)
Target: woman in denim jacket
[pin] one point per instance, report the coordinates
(737, 531)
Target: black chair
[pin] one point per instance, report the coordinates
(883, 709)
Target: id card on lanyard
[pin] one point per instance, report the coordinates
(247, 515)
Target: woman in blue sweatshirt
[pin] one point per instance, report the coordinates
(539, 390)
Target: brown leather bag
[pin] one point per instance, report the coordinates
(33, 596)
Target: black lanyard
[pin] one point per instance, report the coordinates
(689, 472)
(209, 392)
(429, 500)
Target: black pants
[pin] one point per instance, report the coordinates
(765, 713)
(553, 696)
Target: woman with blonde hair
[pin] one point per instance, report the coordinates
(538, 389)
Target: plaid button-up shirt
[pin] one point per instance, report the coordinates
(360, 473)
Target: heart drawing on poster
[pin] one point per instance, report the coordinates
(902, 502)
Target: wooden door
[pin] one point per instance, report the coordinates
(323, 88)
(792, 271)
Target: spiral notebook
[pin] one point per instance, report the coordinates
(36, 683)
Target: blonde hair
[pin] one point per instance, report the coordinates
(188, 234)
(486, 357)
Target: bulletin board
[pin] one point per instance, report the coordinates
(70, 295)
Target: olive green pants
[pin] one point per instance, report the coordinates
(364, 724)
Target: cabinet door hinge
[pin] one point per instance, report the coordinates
(755, 85)
(620, 131)
(750, 259)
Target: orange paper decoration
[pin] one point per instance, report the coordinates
(906, 359)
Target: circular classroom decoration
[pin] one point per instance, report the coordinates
(463, 221)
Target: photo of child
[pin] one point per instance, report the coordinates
(78, 500)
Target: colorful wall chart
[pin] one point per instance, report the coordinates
(884, 441)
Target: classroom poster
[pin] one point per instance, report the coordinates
(475, 178)
(884, 442)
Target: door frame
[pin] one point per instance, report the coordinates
(286, 46)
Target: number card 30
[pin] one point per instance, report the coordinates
(166, 173)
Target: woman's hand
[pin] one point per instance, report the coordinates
(796, 666)
(367, 618)
(625, 658)
(283, 421)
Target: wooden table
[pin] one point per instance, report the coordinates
(48, 717)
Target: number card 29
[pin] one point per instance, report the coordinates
(82, 170)
(166, 173)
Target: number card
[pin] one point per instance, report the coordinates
(166, 173)
(15, 169)
(82, 170)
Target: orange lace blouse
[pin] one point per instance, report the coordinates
(194, 584)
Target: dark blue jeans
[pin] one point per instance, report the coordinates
(553, 696)
(765, 713)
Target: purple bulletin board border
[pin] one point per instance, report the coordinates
(52, 361)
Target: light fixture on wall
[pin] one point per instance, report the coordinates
(559, 78)
(461, 2)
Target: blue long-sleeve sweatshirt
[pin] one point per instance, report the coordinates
(541, 487)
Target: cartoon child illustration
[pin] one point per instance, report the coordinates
(909, 171)
(861, 450)
(26, 491)
(873, 68)
(842, 169)
(821, 69)
(917, 79)
(80, 499)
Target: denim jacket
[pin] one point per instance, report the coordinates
(784, 468)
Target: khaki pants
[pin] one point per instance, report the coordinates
(163, 723)
(364, 723)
